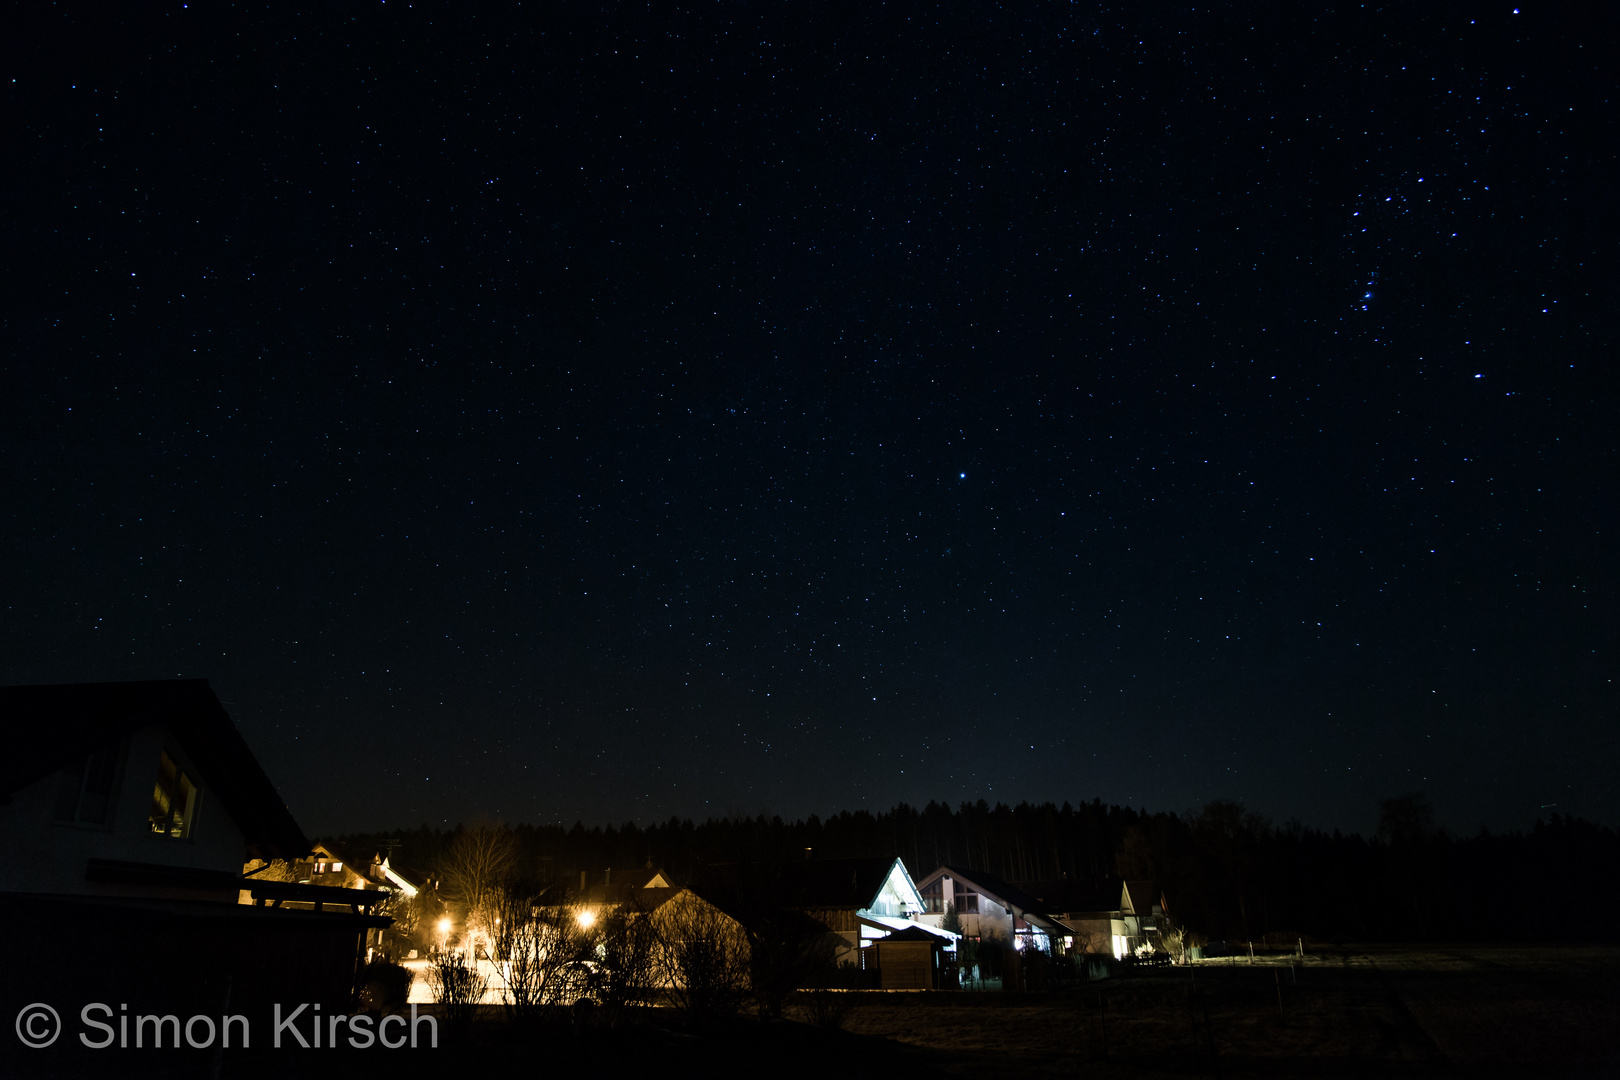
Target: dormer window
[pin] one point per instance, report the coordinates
(174, 800)
(86, 793)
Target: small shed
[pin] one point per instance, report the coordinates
(910, 959)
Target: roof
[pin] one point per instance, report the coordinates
(782, 894)
(827, 883)
(918, 932)
(906, 930)
(1090, 894)
(47, 728)
(1141, 896)
(646, 888)
(982, 881)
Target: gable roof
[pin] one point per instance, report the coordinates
(47, 728)
(1140, 897)
(1090, 894)
(808, 883)
(988, 884)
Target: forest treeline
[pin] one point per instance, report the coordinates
(1228, 873)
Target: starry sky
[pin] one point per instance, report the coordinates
(617, 411)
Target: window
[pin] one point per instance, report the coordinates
(967, 903)
(174, 800)
(85, 796)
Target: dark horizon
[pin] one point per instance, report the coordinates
(604, 415)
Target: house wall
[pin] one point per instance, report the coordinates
(991, 921)
(898, 897)
(1091, 934)
(40, 855)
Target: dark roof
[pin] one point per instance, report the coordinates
(631, 887)
(1144, 894)
(1090, 894)
(985, 882)
(48, 727)
(802, 884)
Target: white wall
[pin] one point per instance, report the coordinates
(40, 855)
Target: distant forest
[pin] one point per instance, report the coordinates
(1228, 874)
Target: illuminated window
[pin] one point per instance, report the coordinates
(174, 801)
(85, 796)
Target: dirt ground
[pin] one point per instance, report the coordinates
(1387, 1012)
(1390, 1013)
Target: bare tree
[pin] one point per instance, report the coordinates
(274, 870)
(1174, 939)
(458, 985)
(704, 957)
(825, 1003)
(542, 950)
(625, 947)
(479, 862)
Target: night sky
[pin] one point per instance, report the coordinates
(612, 412)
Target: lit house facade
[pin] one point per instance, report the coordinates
(990, 909)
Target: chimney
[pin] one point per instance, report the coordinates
(607, 879)
(582, 881)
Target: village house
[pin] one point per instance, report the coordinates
(1101, 916)
(990, 909)
(126, 813)
(330, 865)
(860, 905)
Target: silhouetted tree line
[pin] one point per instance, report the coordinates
(1228, 873)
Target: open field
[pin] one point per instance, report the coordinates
(1387, 1012)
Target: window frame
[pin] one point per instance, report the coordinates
(183, 774)
(114, 763)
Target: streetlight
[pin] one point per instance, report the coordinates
(444, 933)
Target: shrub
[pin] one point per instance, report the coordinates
(458, 985)
(384, 987)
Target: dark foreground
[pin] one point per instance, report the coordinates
(1486, 1011)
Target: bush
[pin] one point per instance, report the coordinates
(458, 985)
(384, 987)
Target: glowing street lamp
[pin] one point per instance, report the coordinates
(586, 918)
(444, 933)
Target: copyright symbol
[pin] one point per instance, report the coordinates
(38, 1025)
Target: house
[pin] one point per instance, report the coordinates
(682, 922)
(1142, 910)
(990, 908)
(1085, 912)
(853, 903)
(1100, 916)
(330, 865)
(126, 813)
(327, 866)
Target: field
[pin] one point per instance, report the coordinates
(1386, 1012)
